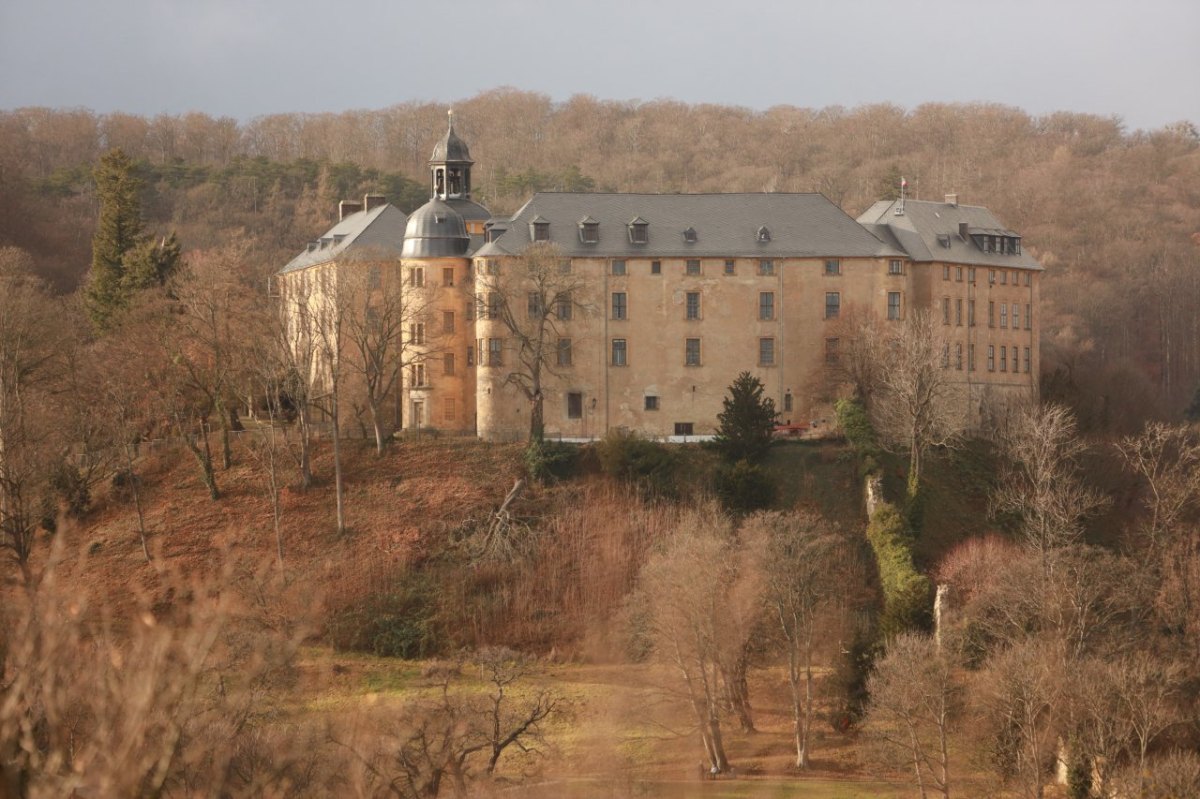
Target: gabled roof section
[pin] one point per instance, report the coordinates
(926, 227)
(801, 225)
(378, 231)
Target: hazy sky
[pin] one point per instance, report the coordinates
(243, 58)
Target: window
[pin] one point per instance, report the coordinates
(448, 363)
(536, 309)
(656, 267)
(764, 235)
(766, 352)
(619, 307)
(970, 274)
(946, 356)
(1003, 358)
(618, 267)
(495, 352)
(766, 305)
(945, 310)
(833, 266)
(970, 357)
(971, 313)
(373, 323)
(540, 229)
(766, 266)
(895, 267)
(1028, 316)
(1016, 316)
(639, 232)
(958, 274)
(958, 312)
(787, 402)
(574, 404)
(374, 277)
(730, 266)
(447, 321)
(416, 276)
(469, 310)
(1003, 316)
(831, 351)
(691, 352)
(945, 272)
(693, 305)
(693, 267)
(833, 304)
(1028, 278)
(416, 374)
(493, 266)
(1003, 277)
(991, 314)
(564, 354)
(448, 276)
(893, 305)
(991, 357)
(651, 402)
(493, 305)
(1028, 359)
(683, 428)
(562, 306)
(589, 231)
(991, 276)
(416, 333)
(449, 411)
(689, 235)
(958, 363)
(619, 352)
(470, 355)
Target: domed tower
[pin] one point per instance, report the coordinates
(439, 376)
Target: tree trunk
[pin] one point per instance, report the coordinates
(337, 468)
(137, 500)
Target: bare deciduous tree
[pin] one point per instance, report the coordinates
(533, 296)
(808, 582)
(914, 705)
(914, 403)
(1041, 483)
(685, 591)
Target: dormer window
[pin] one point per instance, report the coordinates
(689, 235)
(639, 231)
(764, 235)
(539, 229)
(589, 230)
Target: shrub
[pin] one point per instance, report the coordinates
(396, 623)
(906, 592)
(550, 460)
(747, 423)
(628, 456)
(856, 426)
(744, 487)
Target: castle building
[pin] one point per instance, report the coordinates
(654, 303)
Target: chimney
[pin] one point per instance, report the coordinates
(962, 231)
(373, 201)
(346, 207)
(951, 199)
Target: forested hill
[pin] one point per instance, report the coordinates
(1114, 215)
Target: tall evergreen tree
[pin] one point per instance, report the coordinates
(747, 423)
(118, 233)
(124, 259)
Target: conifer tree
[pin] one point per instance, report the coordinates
(124, 259)
(747, 423)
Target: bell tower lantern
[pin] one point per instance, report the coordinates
(451, 165)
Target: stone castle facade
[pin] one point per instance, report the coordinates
(656, 302)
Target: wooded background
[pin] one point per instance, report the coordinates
(1113, 215)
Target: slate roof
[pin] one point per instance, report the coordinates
(726, 225)
(380, 230)
(918, 229)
